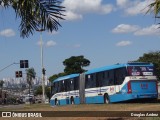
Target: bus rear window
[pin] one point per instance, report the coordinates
(140, 70)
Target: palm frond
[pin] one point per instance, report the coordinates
(36, 14)
(155, 8)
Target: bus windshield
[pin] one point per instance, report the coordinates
(140, 70)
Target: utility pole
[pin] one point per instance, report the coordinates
(42, 66)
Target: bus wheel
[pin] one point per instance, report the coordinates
(56, 102)
(72, 100)
(106, 99)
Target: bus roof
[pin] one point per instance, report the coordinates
(118, 66)
(66, 77)
(139, 64)
(105, 68)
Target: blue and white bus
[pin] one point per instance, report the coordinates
(109, 84)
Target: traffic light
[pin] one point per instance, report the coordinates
(43, 71)
(24, 64)
(18, 74)
(21, 64)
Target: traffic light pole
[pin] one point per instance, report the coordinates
(8, 66)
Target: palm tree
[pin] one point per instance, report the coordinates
(1, 86)
(1, 83)
(155, 8)
(31, 74)
(36, 14)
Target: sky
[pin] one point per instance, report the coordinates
(105, 31)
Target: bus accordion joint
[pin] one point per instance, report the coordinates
(129, 87)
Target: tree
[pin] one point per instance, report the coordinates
(72, 65)
(1, 83)
(55, 76)
(152, 57)
(36, 14)
(39, 91)
(75, 64)
(155, 8)
(31, 74)
(1, 86)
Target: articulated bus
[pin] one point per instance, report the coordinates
(109, 84)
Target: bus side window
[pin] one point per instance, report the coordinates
(66, 85)
(107, 74)
(105, 78)
(88, 81)
(52, 89)
(58, 86)
(111, 77)
(120, 74)
(93, 80)
(116, 76)
(71, 85)
(63, 86)
(124, 74)
(97, 80)
(101, 78)
(55, 88)
(76, 83)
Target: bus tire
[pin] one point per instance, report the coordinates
(106, 99)
(56, 102)
(72, 100)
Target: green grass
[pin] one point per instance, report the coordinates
(24, 107)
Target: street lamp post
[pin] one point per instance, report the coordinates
(42, 66)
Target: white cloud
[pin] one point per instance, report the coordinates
(81, 6)
(77, 46)
(136, 30)
(53, 33)
(7, 33)
(106, 9)
(125, 28)
(151, 30)
(134, 7)
(76, 8)
(50, 43)
(123, 43)
(138, 7)
(122, 3)
(72, 16)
